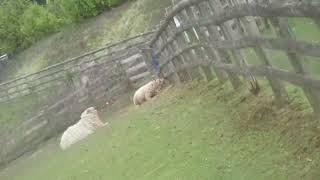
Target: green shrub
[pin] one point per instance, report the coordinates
(112, 3)
(23, 22)
(10, 13)
(36, 22)
(81, 9)
(67, 9)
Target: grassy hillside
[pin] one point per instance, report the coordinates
(196, 131)
(122, 22)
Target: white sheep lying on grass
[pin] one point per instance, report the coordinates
(148, 91)
(88, 123)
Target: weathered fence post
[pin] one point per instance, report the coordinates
(187, 55)
(198, 52)
(313, 96)
(165, 55)
(176, 61)
(317, 22)
(213, 36)
(146, 54)
(231, 32)
(51, 119)
(119, 66)
(3, 151)
(179, 61)
(200, 33)
(251, 29)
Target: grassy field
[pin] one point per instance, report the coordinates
(196, 131)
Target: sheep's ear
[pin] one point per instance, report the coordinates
(90, 110)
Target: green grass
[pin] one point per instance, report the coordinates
(305, 30)
(197, 131)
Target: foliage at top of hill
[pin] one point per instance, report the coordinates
(24, 22)
(75, 39)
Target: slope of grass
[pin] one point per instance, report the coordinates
(197, 131)
(122, 22)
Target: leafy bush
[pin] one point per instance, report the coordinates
(23, 22)
(70, 10)
(112, 3)
(10, 13)
(81, 9)
(36, 22)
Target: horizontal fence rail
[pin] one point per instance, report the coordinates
(55, 75)
(107, 75)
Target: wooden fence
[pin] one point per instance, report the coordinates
(57, 117)
(96, 79)
(55, 75)
(206, 37)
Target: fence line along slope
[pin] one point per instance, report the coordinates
(88, 80)
(206, 37)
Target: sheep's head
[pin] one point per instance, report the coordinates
(91, 111)
(161, 83)
(91, 118)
